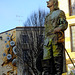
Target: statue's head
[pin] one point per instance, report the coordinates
(53, 3)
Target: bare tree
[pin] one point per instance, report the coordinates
(31, 44)
(36, 18)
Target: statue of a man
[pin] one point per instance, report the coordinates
(55, 23)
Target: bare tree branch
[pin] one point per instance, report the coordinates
(34, 37)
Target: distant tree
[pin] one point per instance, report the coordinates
(27, 53)
(36, 18)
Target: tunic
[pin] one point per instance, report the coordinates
(52, 48)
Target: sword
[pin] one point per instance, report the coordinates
(69, 57)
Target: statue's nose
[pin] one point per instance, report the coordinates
(47, 1)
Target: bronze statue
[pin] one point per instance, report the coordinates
(53, 52)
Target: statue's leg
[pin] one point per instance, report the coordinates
(58, 59)
(58, 65)
(47, 62)
(46, 67)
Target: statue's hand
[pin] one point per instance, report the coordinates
(58, 29)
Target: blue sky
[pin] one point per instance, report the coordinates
(14, 13)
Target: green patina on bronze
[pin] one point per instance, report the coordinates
(55, 19)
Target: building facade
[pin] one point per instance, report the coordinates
(18, 46)
(7, 52)
(68, 6)
(29, 43)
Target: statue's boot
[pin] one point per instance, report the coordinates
(58, 65)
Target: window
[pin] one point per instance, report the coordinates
(41, 38)
(0, 37)
(72, 28)
(25, 39)
(71, 7)
(25, 55)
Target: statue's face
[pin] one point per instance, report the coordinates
(49, 3)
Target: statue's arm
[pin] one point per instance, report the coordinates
(63, 24)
